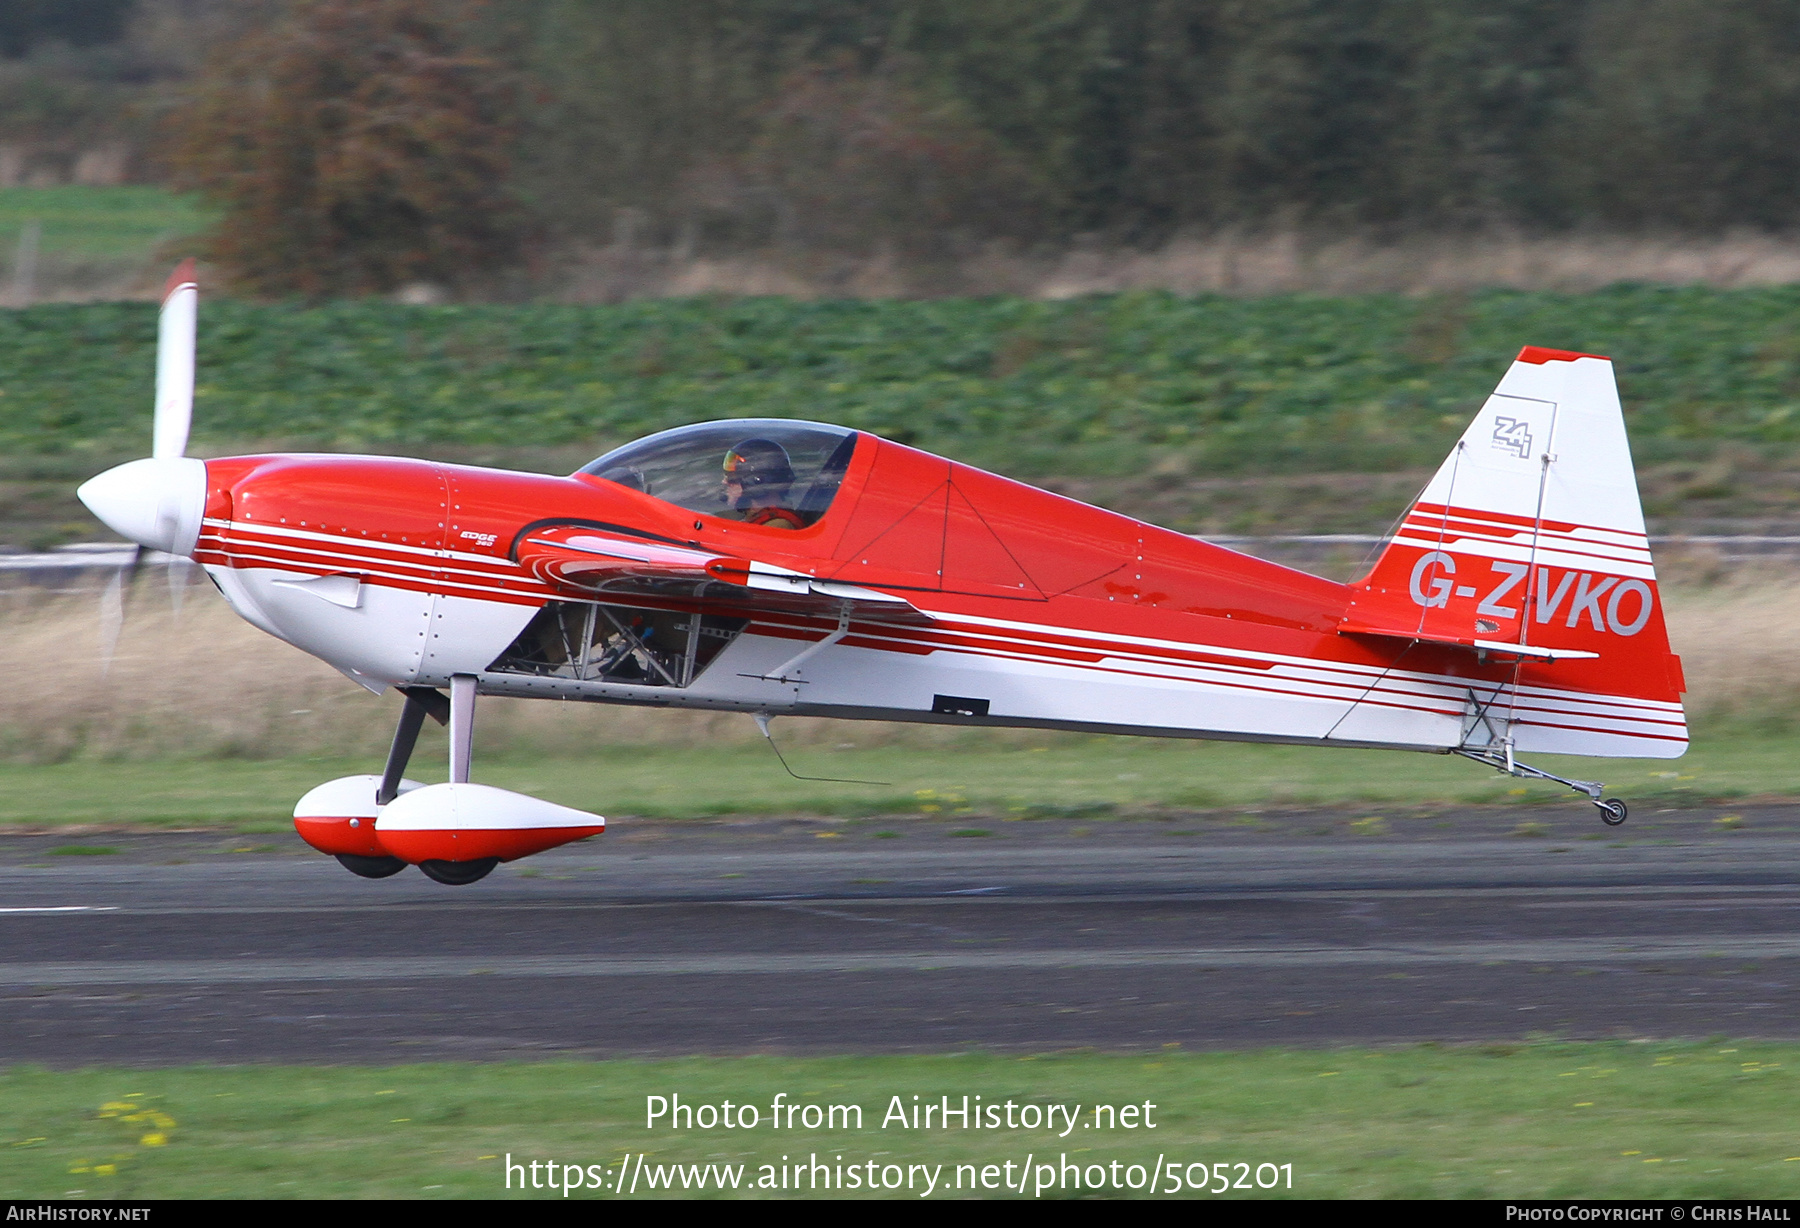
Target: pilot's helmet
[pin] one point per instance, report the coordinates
(758, 465)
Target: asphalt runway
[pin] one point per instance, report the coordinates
(901, 935)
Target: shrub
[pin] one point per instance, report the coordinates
(356, 147)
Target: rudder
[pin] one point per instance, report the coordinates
(1529, 543)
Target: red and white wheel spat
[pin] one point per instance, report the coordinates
(338, 817)
(469, 822)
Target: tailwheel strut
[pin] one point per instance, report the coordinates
(1612, 810)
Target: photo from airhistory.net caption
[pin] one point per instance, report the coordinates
(1572, 1211)
(1032, 1173)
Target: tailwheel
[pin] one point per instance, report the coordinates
(370, 867)
(459, 873)
(1612, 810)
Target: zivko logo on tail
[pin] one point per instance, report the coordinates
(1513, 435)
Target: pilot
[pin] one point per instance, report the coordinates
(758, 481)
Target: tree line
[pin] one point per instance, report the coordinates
(929, 127)
(1142, 117)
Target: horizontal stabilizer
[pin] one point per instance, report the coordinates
(1531, 652)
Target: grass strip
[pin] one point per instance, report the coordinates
(1545, 1119)
(121, 225)
(1065, 777)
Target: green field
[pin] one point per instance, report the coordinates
(121, 225)
(1106, 384)
(1620, 1120)
(1063, 776)
(91, 243)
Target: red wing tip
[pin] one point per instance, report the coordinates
(182, 276)
(1538, 354)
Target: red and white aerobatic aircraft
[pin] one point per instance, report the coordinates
(778, 567)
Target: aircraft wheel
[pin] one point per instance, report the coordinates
(1612, 811)
(458, 873)
(370, 867)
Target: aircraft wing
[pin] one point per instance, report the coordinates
(587, 562)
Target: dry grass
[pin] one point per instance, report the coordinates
(206, 684)
(1229, 262)
(1738, 643)
(1287, 263)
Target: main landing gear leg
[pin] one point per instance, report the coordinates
(421, 702)
(462, 745)
(462, 726)
(1612, 810)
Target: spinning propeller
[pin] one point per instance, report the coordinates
(157, 502)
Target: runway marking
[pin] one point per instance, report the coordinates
(1246, 955)
(65, 908)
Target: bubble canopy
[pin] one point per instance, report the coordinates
(777, 463)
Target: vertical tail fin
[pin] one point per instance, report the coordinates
(1529, 542)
